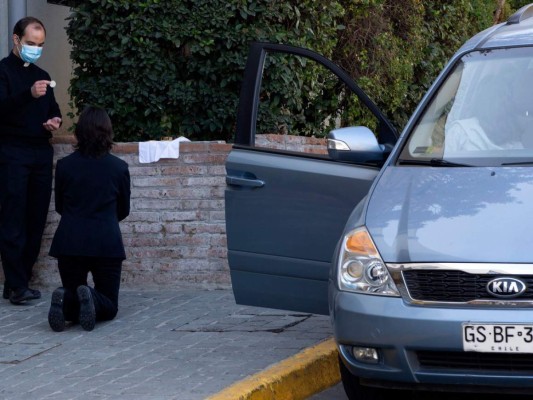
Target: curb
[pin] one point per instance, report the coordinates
(296, 378)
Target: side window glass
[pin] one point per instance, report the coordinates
(300, 102)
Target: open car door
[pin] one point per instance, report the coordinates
(285, 210)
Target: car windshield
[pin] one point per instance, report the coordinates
(481, 115)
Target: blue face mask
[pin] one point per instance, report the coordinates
(30, 54)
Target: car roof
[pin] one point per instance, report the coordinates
(516, 31)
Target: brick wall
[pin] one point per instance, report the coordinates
(293, 143)
(176, 230)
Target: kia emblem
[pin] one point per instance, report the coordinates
(506, 288)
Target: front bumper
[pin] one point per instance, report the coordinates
(406, 335)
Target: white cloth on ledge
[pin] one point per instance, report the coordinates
(153, 150)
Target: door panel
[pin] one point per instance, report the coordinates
(281, 235)
(303, 295)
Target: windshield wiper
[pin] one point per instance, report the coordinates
(436, 162)
(518, 163)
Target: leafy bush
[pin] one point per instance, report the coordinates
(396, 49)
(174, 67)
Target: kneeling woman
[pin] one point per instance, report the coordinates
(92, 194)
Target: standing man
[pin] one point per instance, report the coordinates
(29, 114)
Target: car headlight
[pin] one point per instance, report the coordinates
(361, 268)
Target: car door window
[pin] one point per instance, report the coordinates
(309, 94)
(300, 102)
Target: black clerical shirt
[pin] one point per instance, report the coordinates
(21, 115)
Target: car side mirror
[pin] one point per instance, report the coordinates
(356, 144)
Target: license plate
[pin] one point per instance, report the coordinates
(498, 338)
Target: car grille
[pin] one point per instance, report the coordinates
(476, 361)
(455, 286)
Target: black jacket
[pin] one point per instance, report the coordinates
(92, 196)
(21, 115)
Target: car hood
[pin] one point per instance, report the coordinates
(426, 214)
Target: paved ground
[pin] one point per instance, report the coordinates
(185, 344)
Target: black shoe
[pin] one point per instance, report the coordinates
(87, 315)
(7, 291)
(36, 294)
(56, 318)
(20, 296)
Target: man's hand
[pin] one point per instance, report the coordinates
(52, 124)
(39, 88)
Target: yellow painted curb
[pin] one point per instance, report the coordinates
(296, 378)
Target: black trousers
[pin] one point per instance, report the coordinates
(25, 191)
(105, 272)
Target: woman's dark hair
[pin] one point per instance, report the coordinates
(22, 24)
(94, 132)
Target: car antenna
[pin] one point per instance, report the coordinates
(522, 14)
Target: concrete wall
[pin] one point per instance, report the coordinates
(56, 53)
(4, 31)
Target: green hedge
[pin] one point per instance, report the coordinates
(174, 67)
(396, 49)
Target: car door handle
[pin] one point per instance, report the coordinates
(234, 181)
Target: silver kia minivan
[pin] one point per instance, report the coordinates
(418, 245)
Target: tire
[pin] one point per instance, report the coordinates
(355, 391)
